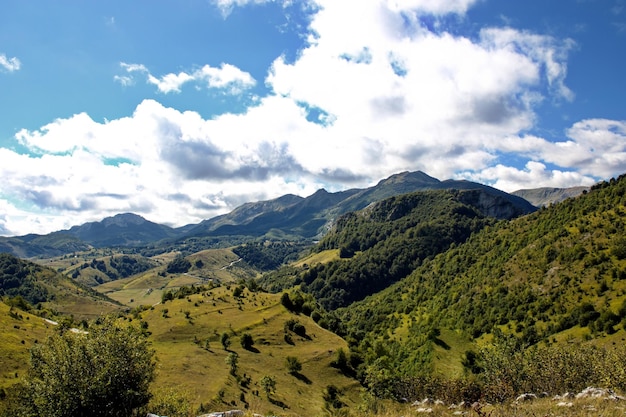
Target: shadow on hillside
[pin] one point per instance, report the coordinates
(278, 403)
(302, 378)
(441, 343)
(252, 349)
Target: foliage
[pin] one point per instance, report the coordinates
(247, 341)
(105, 372)
(185, 291)
(232, 360)
(268, 383)
(178, 265)
(534, 276)
(225, 340)
(269, 255)
(19, 278)
(293, 364)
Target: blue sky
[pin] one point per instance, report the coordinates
(180, 111)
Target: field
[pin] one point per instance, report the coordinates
(187, 333)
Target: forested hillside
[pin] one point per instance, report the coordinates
(557, 274)
(48, 289)
(385, 242)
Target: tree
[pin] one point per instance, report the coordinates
(293, 365)
(268, 383)
(105, 372)
(179, 265)
(225, 341)
(232, 360)
(247, 341)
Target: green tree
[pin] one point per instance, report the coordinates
(247, 341)
(268, 383)
(179, 265)
(293, 365)
(225, 339)
(105, 372)
(232, 360)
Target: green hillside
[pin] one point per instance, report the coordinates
(426, 293)
(187, 332)
(384, 243)
(187, 335)
(556, 275)
(50, 290)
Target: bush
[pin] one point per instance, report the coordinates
(293, 365)
(247, 341)
(105, 372)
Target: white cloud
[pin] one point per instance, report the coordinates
(226, 77)
(372, 93)
(533, 175)
(9, 64)
(227, 6)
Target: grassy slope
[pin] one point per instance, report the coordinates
(218, 265)
(18, 332)
(187, 365)
(322, 257)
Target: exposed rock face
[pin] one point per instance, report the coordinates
(495, 205)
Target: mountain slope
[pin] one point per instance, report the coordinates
(545, 196)
(45, 287)
(386, 241)
(120, 230)
(29, 246)
(286, 218)
(557, 274)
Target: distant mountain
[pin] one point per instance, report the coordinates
(312, 216)
(120, 230)
(407, 182)
(543, 197)
(287, 217)
(53, 244)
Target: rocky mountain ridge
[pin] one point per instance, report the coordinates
(286, 217)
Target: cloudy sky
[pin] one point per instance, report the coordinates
(183, 110)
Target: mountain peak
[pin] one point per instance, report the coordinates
(416, 177)
(123, 219)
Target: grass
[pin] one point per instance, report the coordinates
(217, 265)
(450, 348)
(180, 329)
(318, 258)
(19, 331)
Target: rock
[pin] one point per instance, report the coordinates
(424, 410)
(591, 392)
(525, 397)
(565, 404)
(566, 396)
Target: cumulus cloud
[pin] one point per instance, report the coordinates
(9, 64)
(354, 106)
(226, 77)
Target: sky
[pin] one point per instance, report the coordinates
(183, 110)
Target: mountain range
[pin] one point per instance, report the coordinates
(287, 217)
